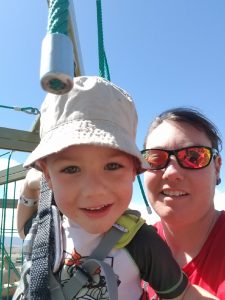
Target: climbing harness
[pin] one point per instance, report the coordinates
(38, 280)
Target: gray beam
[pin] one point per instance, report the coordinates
(19, 140)
(10, 203)
(14, 174)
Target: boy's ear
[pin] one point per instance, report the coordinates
(134, 174)
(44, 168)
(135, 169)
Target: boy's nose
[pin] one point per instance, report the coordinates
(93, 184)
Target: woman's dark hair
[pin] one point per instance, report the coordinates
(192, 117)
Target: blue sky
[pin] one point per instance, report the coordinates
(165, 53)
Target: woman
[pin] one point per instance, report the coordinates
(30, 191)
(182, 148)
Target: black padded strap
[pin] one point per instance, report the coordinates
(39, 274)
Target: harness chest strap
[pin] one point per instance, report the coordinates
(119, 236)
(81, 277)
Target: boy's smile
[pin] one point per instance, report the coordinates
(92, 185)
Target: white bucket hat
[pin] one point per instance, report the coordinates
(94, 112)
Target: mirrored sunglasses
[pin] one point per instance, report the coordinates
(194, 157)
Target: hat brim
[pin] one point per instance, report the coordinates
(100, 132)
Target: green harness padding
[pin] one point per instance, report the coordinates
(132, 222)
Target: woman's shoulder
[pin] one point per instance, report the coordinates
(159, 228)
(220, 223)
(219, 226)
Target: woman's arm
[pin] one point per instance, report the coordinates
(194, 292)
(29, 197)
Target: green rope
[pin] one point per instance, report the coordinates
(58, 23)
(103, 64)
(143, 195)
(58, 18)
(4, 230)
(104, 72)
(6, 153)
(3, 221)
(56, 84)
(11, 264)
(27, 110)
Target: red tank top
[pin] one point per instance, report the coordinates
(207, 269)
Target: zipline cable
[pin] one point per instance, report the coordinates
(27, 110)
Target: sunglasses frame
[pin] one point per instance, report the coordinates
(213, 153)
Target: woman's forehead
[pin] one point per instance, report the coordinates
(175, 134)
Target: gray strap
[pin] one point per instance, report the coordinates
(111, 279)
(58, 239)
(107, 242)
(24, 283)
(55, 288)
(81, 276)
(74, 285)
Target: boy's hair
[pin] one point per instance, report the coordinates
(94, 112)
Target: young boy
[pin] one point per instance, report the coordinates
(89, 159)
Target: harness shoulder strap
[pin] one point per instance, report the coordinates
(120, 235)
(81, 277)
(40, 266)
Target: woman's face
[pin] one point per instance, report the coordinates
(180, 195)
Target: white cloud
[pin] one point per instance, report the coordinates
(150, 218)
(12, 190)
(219, 200)
(4, 163)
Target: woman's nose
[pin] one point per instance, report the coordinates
(173, 171)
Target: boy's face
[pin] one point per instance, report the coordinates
(92, 185)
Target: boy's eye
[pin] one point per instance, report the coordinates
(71, 169)
(113, 166)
